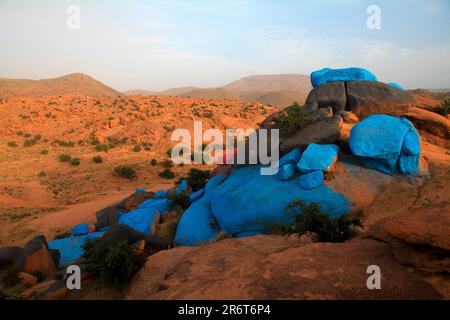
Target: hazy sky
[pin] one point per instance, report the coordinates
(169, 43)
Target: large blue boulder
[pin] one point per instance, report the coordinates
(248, 202)
(328, 75)
(197, 225)
(387, 144)
(71, 249)
(142, 220)
(80, 229)
(318, 157)
(311, 180)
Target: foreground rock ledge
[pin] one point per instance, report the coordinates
(276, 267)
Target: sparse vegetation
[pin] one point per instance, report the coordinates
(97, 159)
(127, 172)
(112, 262)
(42, 174)
(291, 119)
(44, 152)
(64, 157)
(167, 174)
(12, 144)
(29, 142)
(310, 218)
(196, 178)
(153, 162)
(137, 148)
(75, 161)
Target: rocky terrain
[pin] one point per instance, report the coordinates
(362, 150)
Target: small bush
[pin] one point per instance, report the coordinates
(37, 137)
(102, 147)
(19, 133)
(125, 172)
(44, 152)
(153, 162)
(75, 162)
(11, 278)
(291, 119)
(137, 148)
(181, 200)
(311, 218)
(97, 159)
(196, 178)
(27, 135)
(112, 262)
(167, 174)
(167, 164)
(42, 174)
(12, 144)
(29, 143)
(64, 157)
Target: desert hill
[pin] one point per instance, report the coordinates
(277, 90)
(75, 83)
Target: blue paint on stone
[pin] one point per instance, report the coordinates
(328, 75)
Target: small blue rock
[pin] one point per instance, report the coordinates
(318, 157)
(80, 229)
(285, 172)
(182, 187)
(290, 158)
(311, 180)
(160, 194)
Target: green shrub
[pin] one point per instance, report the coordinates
(19, 133)
(64, 157)
(291, 119)
(37, 137)
(42, 174)
(167, 164)
(114, 263)
(102, 147)
(167, 173)
(75, 162)
(29, 142)
(11, 278)
(27, 135)
(196, 178)
(44, 151)
(12, 144)
(137, 148)
(153, 162)
(97, 159)
(443, 109)
(125, 172)
(181, 200)
(311, 218)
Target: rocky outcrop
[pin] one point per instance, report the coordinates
(9, 255)
(36, 257)
(326, 131)
(276, 268)
(330, 94)
(429, 121)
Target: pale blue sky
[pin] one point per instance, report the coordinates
(160, 44)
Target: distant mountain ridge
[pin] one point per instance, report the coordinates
(75, 83)
(276, 90)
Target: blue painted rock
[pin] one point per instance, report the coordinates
(311, 180)
(71, 249)
(196, 195)
(291, 158)
(161, 205)
(250, 202)
(318, 157)
(197, 225)
(285, 172)
(328, 75)
(142, 220)
(160, 194)
(386, 144)
(80, 229)
(182, 187)
(395, 85)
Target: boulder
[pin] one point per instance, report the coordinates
(71, 249)
(108, 216)
(395, 85)
(326, 131)
(311, 180)
(160, 205)
(132, 202)
(120, 232)
(349, 117)
(142, 220)
(36, 257)
(250, 202)
(197, 225)
(196, 195)
(27, 280)
(428, 121)
(331, 94)
(182, 187)
(365, 98)
(80, 229)
(320, 114)
(327, 75)
(286, 172)
(160, 194)
(9, 256)
(318, 157)
(290, 158)
(269, 267)
(379, 142)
